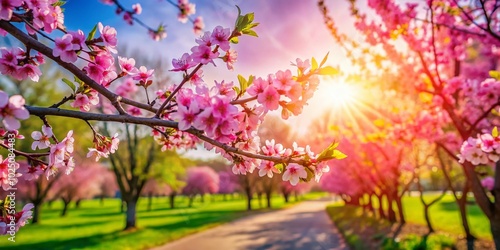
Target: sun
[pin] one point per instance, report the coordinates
(341, 94)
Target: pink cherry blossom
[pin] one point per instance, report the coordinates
(203, 54)
(186, 9)
(42, 139)
(108, 35)
(137, 8)
(127, 65)
(198, 25)
(143, 75)
(12, 111)
(269, 98)
(230, 58)
(186, 116)
(182, 64)
(6, 8)
(488, 183)
(64, 49)
(267, 168)
(220, 36)
(293, 173)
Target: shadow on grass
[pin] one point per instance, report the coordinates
(191, 223)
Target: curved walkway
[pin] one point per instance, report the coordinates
(305, 226)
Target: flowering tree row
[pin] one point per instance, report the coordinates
(443, 53)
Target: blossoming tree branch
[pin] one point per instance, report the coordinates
(220, 115)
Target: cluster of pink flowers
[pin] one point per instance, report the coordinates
(282, 90)
(17, 63)
(186, 9)
(484, 149)
(60, 156)
(85, 100)
(176, 139)
(103, 146)
(12, 110)
(45, 15)
(9, 223)
(68, 45)
(198, 25)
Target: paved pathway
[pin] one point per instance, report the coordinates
(305, 226)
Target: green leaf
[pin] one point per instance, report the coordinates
(495, 74)
(250, 80)
(234, 40)
(243, 83)
(280, 167)
(314, 65)
(494, 133)
(310, 175)
(328, 70)
(59, 3)
(250, 33)
(331, 153)
(92, 33)
(70, 84)
(324, 59)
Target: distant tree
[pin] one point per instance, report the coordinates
(228, 183)
(200, 181)
(84, 183)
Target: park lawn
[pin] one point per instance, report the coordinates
(446, 217)
(93, 226)
(362, 230)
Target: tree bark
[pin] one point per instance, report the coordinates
(77, 203)
(131, 214)
(36, 213)
(381, 212)
(248, 193)
(495, 230)
(286, 196)
(65, 208)
(399, 204)
(172, 200)
(268, 199)
(391, 215)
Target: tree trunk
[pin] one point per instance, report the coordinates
(259, 196)
(462, 202)
(268, 199)
(296, 196)
(202, 198)
(36, 213)
(428, 219)
(495, 230)
(131, 214)
(381, 212)
(77, 203)
(401, 213)
(102, 200)
(286, 196)
(191, 199)
(150, 201)
(172, 200)
(391, 215)
(65, 208)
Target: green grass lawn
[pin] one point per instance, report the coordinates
(445, 216)
(93, 226)
(363, 230)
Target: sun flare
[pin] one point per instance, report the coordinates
(342, 94)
